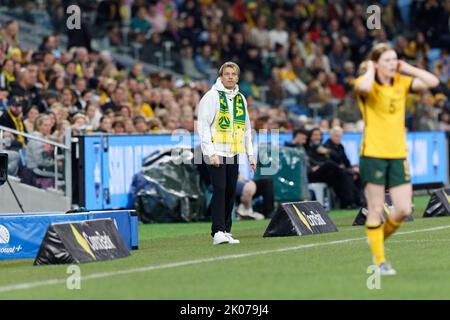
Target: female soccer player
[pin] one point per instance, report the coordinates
(381, 93)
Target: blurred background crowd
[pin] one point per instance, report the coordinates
(298, 62)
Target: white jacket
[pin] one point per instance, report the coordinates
(208, 111)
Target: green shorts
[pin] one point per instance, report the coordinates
(386, 172)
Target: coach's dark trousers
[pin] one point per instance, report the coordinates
(223, 179)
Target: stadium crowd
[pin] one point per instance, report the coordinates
(299, 57)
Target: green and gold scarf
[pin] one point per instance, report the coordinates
(224, 133)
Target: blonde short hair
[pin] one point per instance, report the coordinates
(40, 121)
(229, 64)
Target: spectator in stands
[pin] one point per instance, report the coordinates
(20, 86)
(156, 101)
(226, 53)
(30, 118)
(204, 62)
(278, 35)
(238, 47)
(338, 57)
(7, 74)
(444, 121)
(140, 23)
(401, 46)
(348, 76)
(171, 123)
(418, 48)
(338, 155)
(106, 65)
(360, 44)
(336, 89)
(188, 64)
(13, 119)
(299, 140)
(118, 126)
(275, 94)
(306, 46)
(56, 115)
(252, 62)
(60, 131)
(248, 87)
(118, 98)
(442, 66)
(158, 18)
(426, 117)
(155, 125)
(320, 57)
(10, 32)
(300, 70)
(125, 110)
(319, 93)
(153, 50)
(3, 100)
(105, 125)
(259, 35)
(49, 44)
(292, 84)
(322, 169)
(324, 125)
(80, 88)
(140, 125)
(40, 155)
(391, 17)
(93, 115)
(79, 122)
(142, 107)
(69, 101)
(57, 84)
(129, 127)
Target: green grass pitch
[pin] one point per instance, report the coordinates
(178, 261)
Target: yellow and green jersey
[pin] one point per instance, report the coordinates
(383, 111)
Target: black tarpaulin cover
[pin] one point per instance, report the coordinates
(168, 188)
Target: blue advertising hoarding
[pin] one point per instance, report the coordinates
(112, 161)
(21, 234)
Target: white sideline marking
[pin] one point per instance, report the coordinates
(29, 285)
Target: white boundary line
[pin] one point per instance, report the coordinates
(29, 285)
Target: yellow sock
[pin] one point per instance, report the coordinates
(376, 240)
(390, 226)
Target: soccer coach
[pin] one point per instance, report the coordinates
(225, 131)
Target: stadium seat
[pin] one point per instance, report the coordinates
(321, 194)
